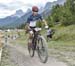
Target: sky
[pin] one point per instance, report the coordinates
(9, 7)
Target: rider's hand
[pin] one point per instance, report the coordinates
(27, 28)
(46, 26)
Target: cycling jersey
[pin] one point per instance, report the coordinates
(48, 31)
(33, 19)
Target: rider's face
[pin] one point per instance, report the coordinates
(35, 13)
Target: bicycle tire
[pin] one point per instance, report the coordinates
(43, 48)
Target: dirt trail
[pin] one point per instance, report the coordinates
(19, 56)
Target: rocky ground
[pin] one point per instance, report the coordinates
(18, 56)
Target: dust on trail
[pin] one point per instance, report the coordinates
(19, 56)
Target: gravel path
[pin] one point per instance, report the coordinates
(19, 56)
(0, 53)
(65, 56)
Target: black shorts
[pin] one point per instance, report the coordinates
(49, 36)
(33, 29)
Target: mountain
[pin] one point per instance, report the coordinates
(7, 20)
(4, 22)
(20, 17)
(48, 7)
(20, 20)
(44, 11)
(18, 13)
(61, 1)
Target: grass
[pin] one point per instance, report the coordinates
(64, 36)
(65, 33)
(62, 45)
(6, 61)
(22, 40)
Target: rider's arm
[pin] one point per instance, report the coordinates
(45, 22)
(27, 24)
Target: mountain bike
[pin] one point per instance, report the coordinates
(39, 44)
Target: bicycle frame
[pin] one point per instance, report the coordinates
(38, 47)
(35, 37)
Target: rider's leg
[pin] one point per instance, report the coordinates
(30, 38)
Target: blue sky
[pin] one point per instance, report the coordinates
(8, 7)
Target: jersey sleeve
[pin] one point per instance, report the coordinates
(41, 18)
(28, 20)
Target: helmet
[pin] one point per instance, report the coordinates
(35, 9)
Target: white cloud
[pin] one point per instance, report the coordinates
(4, 13)
(6, 1)
(12, 5)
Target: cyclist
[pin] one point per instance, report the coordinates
(49, 36)
(32, 20)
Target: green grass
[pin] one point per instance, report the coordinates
(65, 33)
(22, 40)
(62, 43)
(64, 36)
(62, 46)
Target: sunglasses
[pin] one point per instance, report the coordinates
(35, 11)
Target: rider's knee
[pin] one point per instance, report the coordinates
(30, 34)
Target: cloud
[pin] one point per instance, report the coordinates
(9, 6)
(2, 5)
(6, 1)
(4, 13)
(16, 4)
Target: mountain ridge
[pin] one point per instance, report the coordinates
(20, 17)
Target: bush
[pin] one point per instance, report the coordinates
(68, 21)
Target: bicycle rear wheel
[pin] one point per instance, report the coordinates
(42, 49)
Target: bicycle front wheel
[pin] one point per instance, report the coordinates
(42, 49)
